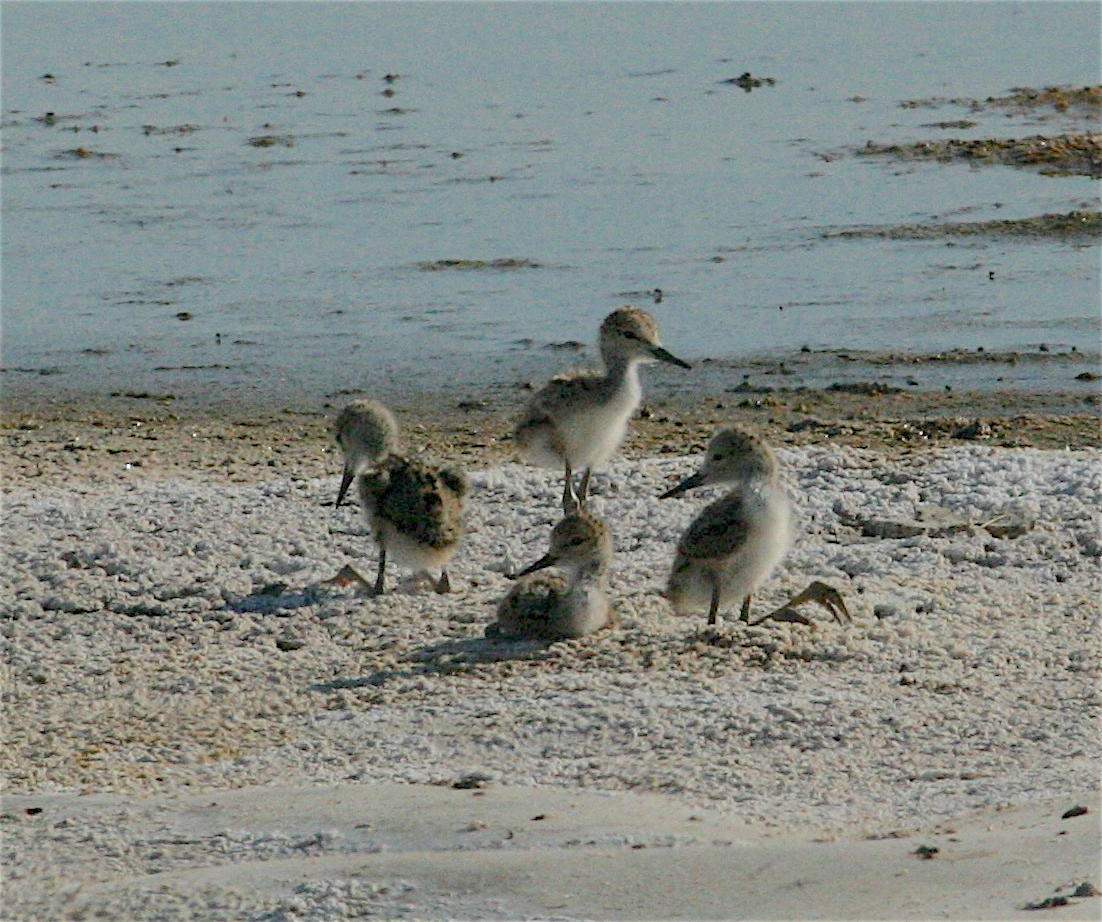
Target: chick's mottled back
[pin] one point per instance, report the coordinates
(415, 509)
(569, 602)
(424, 501)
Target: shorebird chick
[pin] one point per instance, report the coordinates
(577, 421)
(733, 545)
(366, 433)
(416, 512)
(567, 602)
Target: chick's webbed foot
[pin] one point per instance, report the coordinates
(820, 593)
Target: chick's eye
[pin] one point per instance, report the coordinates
(574, 542)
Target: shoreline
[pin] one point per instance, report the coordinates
(56, 439)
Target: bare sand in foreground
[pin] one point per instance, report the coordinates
(390, 851)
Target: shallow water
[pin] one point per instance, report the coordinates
(149, 242)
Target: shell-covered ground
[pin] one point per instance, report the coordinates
(175, 636)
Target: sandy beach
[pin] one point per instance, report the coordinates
(200, 725)
(223, 222)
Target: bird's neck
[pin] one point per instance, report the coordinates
(753, 485)
(588, 574)
(622, 375)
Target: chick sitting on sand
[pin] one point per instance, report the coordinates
(567, 602)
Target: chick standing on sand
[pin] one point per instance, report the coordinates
(415, 509)
(366, 434)
(577, 421)
(569, 603)
(733, 545)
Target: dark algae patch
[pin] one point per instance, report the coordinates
(84, 153)
(476, 264)
(272, 140)
(748, 82)
(1076, 152)
(1063, 155)
(1074, 227)
(1040, 103)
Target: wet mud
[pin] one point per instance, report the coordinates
(137, 436)
(1068, 153)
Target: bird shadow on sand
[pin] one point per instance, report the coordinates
(448, 657)
(761, 649)
(274, 598)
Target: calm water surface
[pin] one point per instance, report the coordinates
(152, 241)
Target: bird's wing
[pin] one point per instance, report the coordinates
(455, 480)
(718, 531)
(373, 486)
(562, 388)
(418, 499)
(527, 608)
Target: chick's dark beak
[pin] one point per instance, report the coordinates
(694, 480)
(664, 355)
(545, 561)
